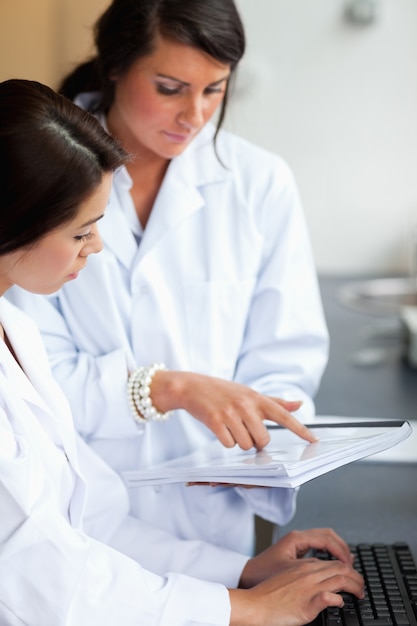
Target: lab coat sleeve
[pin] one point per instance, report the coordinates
(54, 575)
(273, 504)
(106, 518)
(285, 346)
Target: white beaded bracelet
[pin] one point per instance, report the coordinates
(138, 392)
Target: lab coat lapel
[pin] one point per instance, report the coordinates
(37, 387)
(180, 194)
(114, 228)
(179, 197)
(36, 384)
(176, 201)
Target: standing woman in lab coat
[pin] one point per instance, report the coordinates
(207, 269)
(67, 545)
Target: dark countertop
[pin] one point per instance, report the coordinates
(365, 501)
(386, 389)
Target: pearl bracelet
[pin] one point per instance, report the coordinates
(138, 392)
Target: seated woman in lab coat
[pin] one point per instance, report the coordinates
(207, 268)
(68, 548)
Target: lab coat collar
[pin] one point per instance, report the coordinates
(180, 194)
(53, 414)
(35, 382)
(114, 228)
(179, 197)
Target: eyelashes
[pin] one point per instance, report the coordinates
(173, 91)
(167, 91)
(84, 238)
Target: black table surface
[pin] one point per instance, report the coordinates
(386, 388)
(366, 501)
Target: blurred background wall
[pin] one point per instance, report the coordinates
(43, 39)
(338, 100)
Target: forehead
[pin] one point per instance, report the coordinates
(177, 60)
(93, 206)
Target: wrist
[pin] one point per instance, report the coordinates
(246, 579)
(244, 611)
(169, 389)
(139, 394)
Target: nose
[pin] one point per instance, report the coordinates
(98, 243)
(192, 114)
(93, 245)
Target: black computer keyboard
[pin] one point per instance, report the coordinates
(390, 598)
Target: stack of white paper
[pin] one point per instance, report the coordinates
(287, 461)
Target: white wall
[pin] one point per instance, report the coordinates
(339, 102)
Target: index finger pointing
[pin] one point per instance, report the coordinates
(285, 419)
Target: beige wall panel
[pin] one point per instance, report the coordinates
(78, 18)
(43, 39)
(28, 39)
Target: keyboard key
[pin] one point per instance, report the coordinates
(351, 618)
(401, 618)
(382, 621)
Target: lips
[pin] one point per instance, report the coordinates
(177, 137)
(75, 274)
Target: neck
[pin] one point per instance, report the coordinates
(147, 177)
(146, 169)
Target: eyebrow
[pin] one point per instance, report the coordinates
(183, 82)
(92, 221)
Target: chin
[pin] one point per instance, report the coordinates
(46, 290)
(173, 150)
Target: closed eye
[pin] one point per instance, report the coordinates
(175, 89)
(167, 91)
(211, 90)
(85, 237)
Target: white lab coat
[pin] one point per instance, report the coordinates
(59, 502)
(222, 283)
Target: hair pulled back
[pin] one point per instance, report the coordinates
(53, 157)
(129, 29)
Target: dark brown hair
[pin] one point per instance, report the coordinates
(53, 157)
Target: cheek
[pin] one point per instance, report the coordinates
(140, 106)
(63, 257)
(148, 109)
(212, 107)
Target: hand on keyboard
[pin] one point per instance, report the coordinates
(299, 543)
(390, 589)
(302, 589)
(290, 548)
